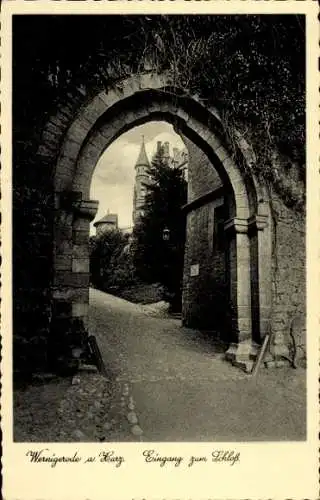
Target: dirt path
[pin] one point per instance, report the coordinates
(179, 386)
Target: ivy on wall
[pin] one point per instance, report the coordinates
(251, 68)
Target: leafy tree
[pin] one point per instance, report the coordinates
(157, 259)
(110, 262)
(250, 67)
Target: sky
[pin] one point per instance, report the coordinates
(113, 178)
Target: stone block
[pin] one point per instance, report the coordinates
(108, 98)
(94, 110)
(81, 224)
(242, 355)
(62, 262)
(65, 169)
(87, 368)
(79, 309)
(130, 86)
(47, 151)
(183, 115)
(78, 131)
(71, 279)
(82, 179)
(51, 137)
(96, 144)
(106, 133)
(279, 349)
(245, 328)
(68, 108)
(71, 294)
(80, 237)
(61, 309)
(53, 128)
(80, 251)
(71, 148)
(80, 265)
(60, 121)
(63, 247)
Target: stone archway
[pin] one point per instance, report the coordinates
(111, 112)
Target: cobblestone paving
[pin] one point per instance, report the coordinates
(35, 411)
(86, 408)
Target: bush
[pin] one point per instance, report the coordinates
(111, 265)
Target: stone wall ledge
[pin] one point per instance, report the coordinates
(216, 194)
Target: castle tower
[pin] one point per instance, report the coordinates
(142, 178)
(166, 152)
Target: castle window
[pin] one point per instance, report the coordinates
(219, 235)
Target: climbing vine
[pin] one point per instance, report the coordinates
(250, 67)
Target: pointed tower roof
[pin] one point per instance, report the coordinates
(142, 160)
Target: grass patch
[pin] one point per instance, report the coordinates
(141, 293)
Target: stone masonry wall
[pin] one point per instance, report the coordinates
(288, 319)
(204, 280)
(202, 177)
(206, 249)
(38, 130)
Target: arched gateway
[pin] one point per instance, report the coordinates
(99, 122)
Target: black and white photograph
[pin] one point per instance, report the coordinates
(159, 236)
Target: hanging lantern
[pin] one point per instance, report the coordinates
(166, 234)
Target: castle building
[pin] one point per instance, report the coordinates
(142, 179)
(179, 158)
(108, 223)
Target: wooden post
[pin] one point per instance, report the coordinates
(260, 356)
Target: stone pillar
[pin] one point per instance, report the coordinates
(261, 250)
(70, 291)
(62, 260)
(83, 214)
(240, 350)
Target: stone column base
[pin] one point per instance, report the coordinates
(243, 354)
